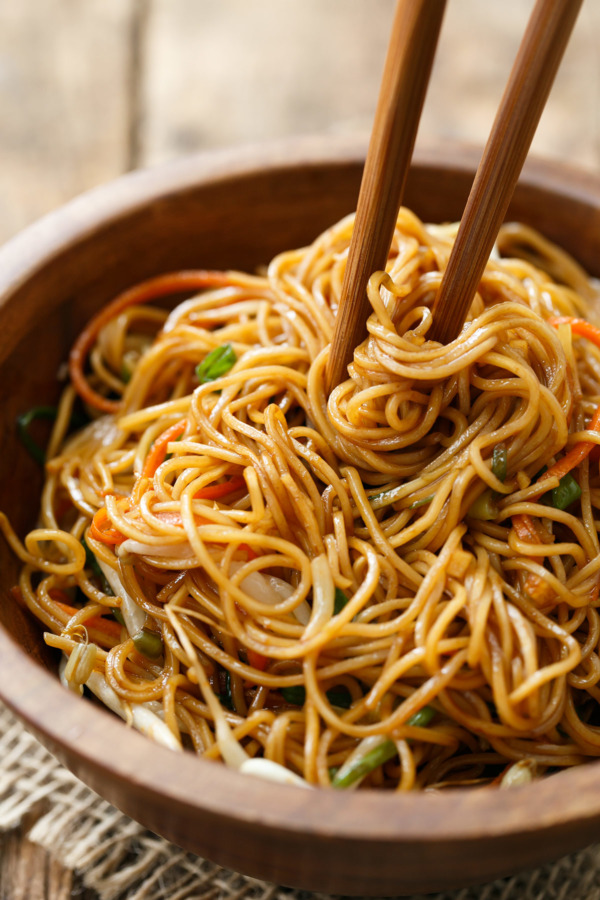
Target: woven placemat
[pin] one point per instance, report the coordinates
(120, 860)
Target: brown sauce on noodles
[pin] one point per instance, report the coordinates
(395, 585)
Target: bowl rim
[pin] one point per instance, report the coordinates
(88, 732)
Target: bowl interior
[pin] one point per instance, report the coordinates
(238, 212)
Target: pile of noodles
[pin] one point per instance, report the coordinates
(369, 587)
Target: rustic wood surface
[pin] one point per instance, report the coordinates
(91, 89)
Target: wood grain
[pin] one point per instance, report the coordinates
(408, 63)
(51, 278)
(63, 106)
(529, 84)
(27, 872)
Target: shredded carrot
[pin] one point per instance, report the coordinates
(538, 590)
(59, 596)
(524, 524)
(161, 286)
(101, 529)
(578, 326)
(250, 553)
(216, 491)
(99, 623)
(575, 455)
(582, 449)
(528, 531)
(158, 450)
(257, 660)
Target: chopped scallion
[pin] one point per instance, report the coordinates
(46, 414)
(500, 462)
(423, 502)
(294, 695)
(368, 763)
(378, 496)
(217, 363)
(422, 718)
(339, 602)
(566, 492)
(380, 754)
(338, 696)
(226, 699)
(24, 421)
(484, 507)
(148, 643)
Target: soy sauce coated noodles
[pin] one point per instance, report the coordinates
(394, 586)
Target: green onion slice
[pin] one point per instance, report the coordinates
(380, 754)
(226, 699)
(46, 413)
(339, 602)
(368, 763)
(566, 492)
(148, 643)
(500, 462)
(118, 615)
(484, 507)
(217, 363)
(338, 696)
(422, 718)
(422, 502)
(294, 695)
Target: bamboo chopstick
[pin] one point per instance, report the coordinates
(406, 74)
(524, 98)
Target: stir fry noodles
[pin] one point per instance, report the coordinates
(393, 585)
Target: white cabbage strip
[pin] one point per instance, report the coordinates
(271, 590)
(133, 616)
(141, 717)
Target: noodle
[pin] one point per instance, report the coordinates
(395, 585)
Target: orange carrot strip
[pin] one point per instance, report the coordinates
(525, 527)
(578, 326)
(535, 586)
(102, 530)
(59, 596)
(215, 491)
(99, 623)
(158, 450)
(575, 455)
(148, 290)
(250, 553)
(582, 449)
(538, 590)
(257, 660)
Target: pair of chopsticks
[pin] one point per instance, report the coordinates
(406, 74)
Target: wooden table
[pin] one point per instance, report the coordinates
(89, 90)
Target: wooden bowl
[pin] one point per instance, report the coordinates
(238, 210)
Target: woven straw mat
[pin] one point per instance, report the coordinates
(120, 860)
